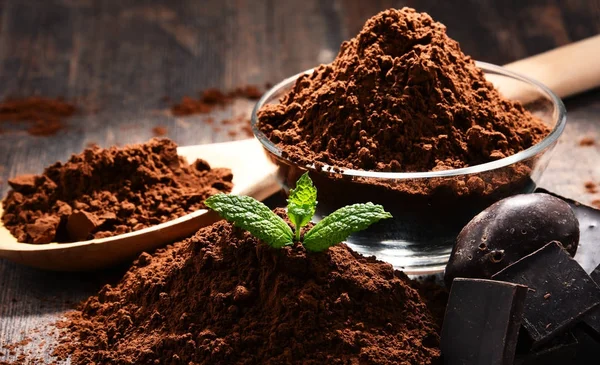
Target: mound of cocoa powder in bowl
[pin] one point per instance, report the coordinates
(401, 96)
(223, 297)
(104, 192)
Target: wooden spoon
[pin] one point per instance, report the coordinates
(253, 175)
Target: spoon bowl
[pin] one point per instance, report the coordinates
(253, 175)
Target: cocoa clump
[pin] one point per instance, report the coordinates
(587, 141)
(104, 192)
(223, 297)
(159, 131)
(401, 96)
(45, 116)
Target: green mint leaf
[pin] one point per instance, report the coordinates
(302, 203)
(253, 216)
(340, 224)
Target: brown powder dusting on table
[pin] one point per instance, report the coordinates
(45, 116)
(241, 123)
(221, 297)
(587, 141)
(591, 187)
(212, 98)
(104, 192)
(400, 96)
(159, 131)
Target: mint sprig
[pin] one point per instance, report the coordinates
(255, 217)
(340, 224)
(302, 203)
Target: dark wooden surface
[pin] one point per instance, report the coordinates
(122, 57)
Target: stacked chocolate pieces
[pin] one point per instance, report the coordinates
(544, 308)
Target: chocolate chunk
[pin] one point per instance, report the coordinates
(551, 270)
(588, 350)
(595, 275)
(592, 319)
(561, 350)
(23, 184)
(588, 253)
(507, 231)
(80, 225)
(482, 321)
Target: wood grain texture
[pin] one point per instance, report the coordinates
(118, 58)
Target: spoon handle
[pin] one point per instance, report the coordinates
(567, 70)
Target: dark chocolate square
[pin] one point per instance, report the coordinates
(561, 350)
(588, 252)
(482, 321)
(560, 292)
(595, 275)
(588, 349)
(592, 319)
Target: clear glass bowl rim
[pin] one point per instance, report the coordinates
(488, 166)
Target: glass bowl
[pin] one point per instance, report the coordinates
(429, 208)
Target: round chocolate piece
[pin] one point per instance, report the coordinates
(509, 230)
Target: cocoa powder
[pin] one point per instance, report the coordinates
(223, 297)
(587, 141)
(401, 96)
(212, 98)
(159, 131)
(44, 116)
(104, 192)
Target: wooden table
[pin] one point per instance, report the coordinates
(120, 58)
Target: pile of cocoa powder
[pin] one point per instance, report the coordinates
(43, 116)
(223, 297)
(104, 192)
(401, 96)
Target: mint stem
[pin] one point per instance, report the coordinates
(297, 234)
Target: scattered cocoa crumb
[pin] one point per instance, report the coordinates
(45, 116)
(104, 192)
(224, 297)
(212, 98)
(247, 129)
(401, 96)
(159, 131)
(241, 123)
(251, 92)
(587, 141)
(591, 187)
(189, 106)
